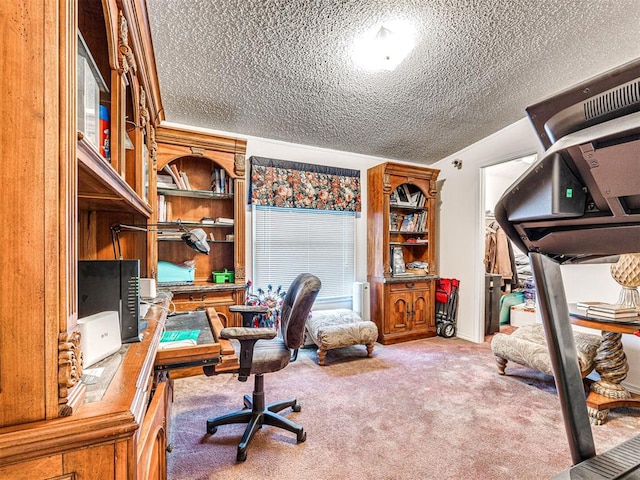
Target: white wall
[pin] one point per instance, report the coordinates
(594, 282)
(461, 240)
(461, 218)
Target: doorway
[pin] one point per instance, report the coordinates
(514, 264)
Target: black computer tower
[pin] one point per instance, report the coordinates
(111, 285)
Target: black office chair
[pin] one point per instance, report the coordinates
(270, 354)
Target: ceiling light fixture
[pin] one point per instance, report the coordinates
(384, 47)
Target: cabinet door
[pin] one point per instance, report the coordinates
(400, 305)
(152, 457)
(422, 316)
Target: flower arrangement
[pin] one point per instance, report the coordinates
(272, 299)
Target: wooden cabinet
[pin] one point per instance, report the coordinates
(152, 439)
(215, 169)
(119, 432)
(410, 309)
(62, 194)
(401, 235)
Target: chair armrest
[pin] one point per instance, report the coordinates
(248, 308)
(245, 333)
(247, 338)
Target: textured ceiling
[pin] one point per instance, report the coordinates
(281, 69)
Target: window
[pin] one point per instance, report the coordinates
(290, 241)
(304, 219)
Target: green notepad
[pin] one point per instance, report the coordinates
(179, 335)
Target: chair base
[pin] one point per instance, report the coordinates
(256, 414)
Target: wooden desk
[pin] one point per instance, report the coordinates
(211, 352)
(611, 365)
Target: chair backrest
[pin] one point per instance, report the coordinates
(296, 307)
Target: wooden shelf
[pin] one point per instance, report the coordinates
(176, 192)
(195, 224)
(100, 187)
(180, 240)
(406, 208)
(409, 244)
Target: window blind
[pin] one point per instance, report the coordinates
(290, 241)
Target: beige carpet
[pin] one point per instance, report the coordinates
(427, 409)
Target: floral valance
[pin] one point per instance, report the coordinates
(281, 183)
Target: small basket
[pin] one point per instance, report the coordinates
(223, 277)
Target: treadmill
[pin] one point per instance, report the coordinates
(580, 202)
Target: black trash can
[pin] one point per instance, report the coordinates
(492, 295)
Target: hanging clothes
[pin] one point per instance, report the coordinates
(498, 259)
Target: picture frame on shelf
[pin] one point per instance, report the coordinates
(397, 261)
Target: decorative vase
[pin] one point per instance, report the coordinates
(626, 272)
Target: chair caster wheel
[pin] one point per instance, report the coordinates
(297, 407)
(242, 456)
(302, 436)
(212, 430)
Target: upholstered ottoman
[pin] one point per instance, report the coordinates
(338, 328)
(528, 346)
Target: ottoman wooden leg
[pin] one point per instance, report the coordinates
(502, 364)
(369, 350)
(322, 354)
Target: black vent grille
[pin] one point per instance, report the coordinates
(612, 101)
(612, 464)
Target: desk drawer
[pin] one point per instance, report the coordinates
(409, 285)
(209, 351)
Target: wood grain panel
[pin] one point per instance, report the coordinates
(46, 467)
(94, 463)
(24, 131)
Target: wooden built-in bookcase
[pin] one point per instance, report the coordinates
(63, 192)
(202, 157)
(401, 219)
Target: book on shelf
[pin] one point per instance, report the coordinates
(170, 235)
(606, 307)
(607, 311)
(394, 220)
(207, 220)
(407, 223)
(225, 221)
(185, 180)
(162, 208)
(165, 181)
(412, 222)
(585, 305)
(175, 175)
(221, 182)
(409, 273)
(612, 315)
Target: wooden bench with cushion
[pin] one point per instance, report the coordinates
(528, 346)
(338, 328)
